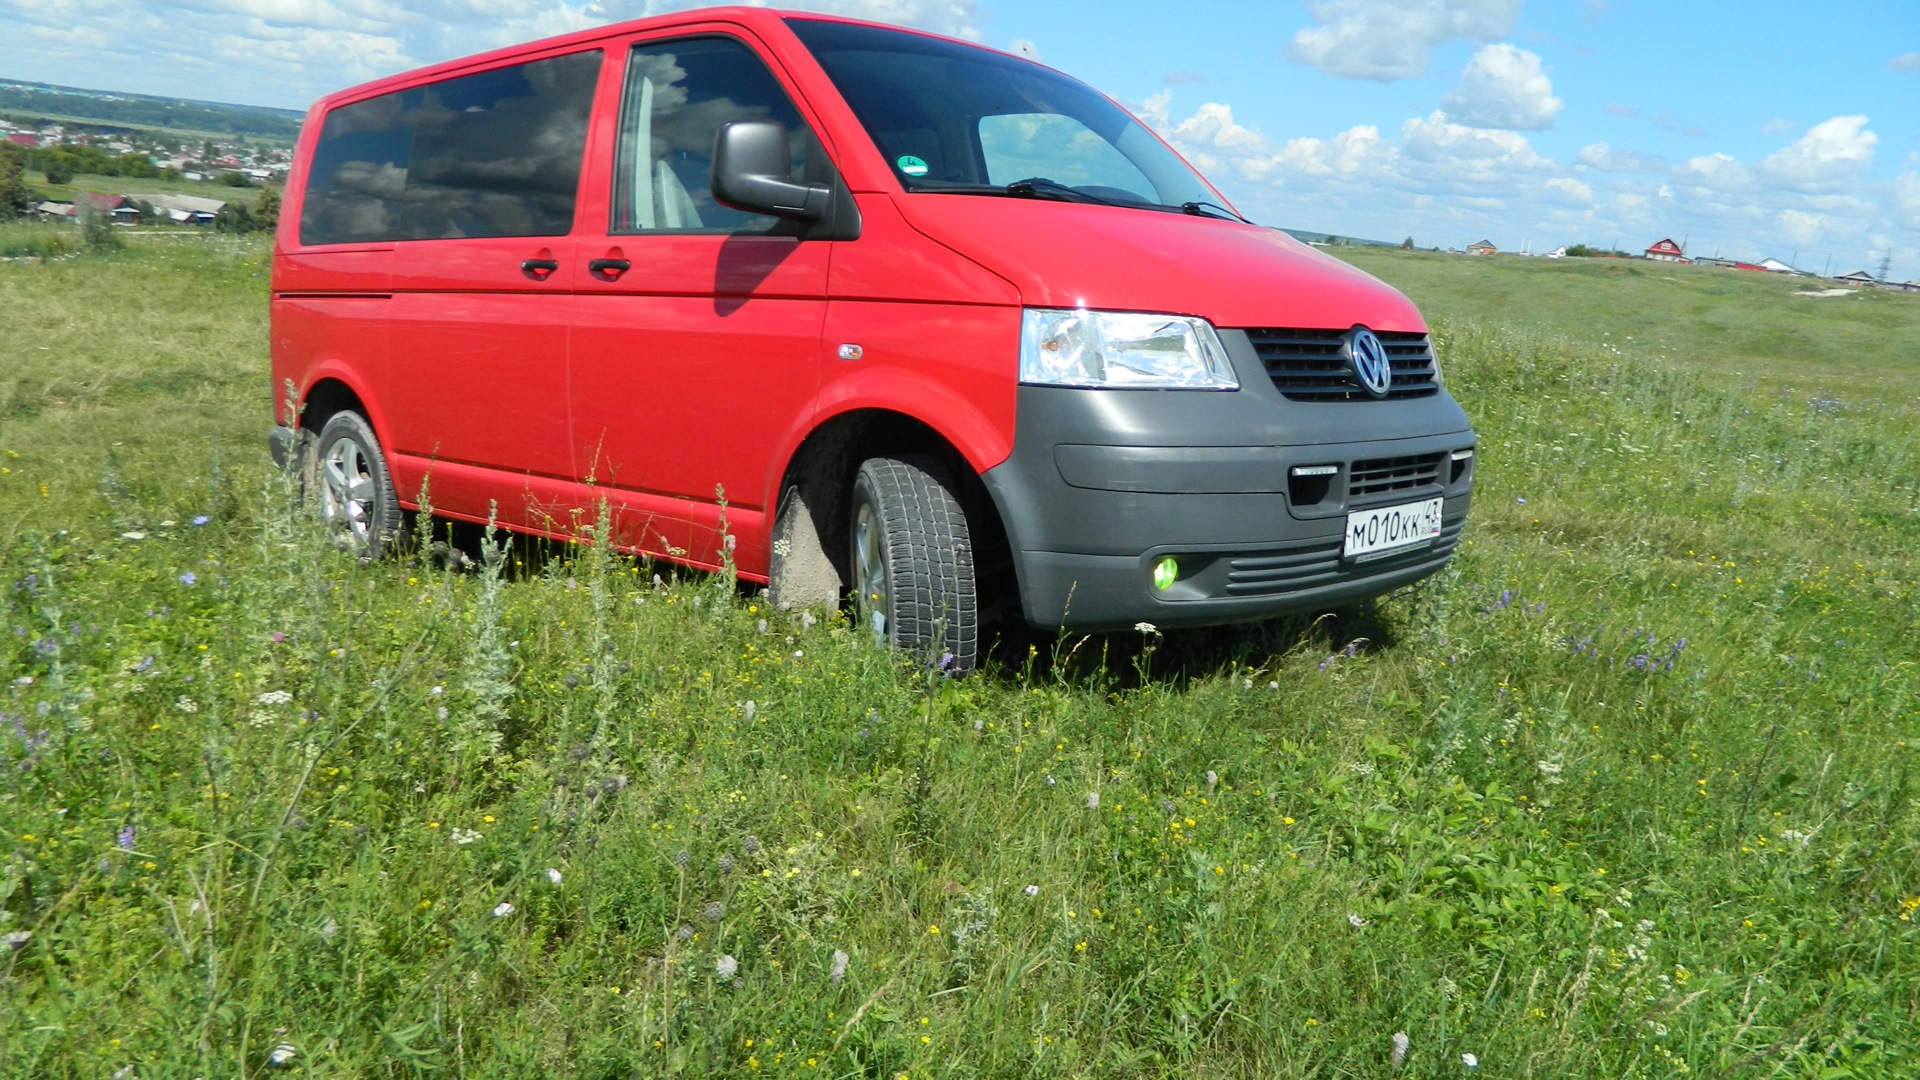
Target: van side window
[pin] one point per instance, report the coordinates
(676, 97)
(495, 153)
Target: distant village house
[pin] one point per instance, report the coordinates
(1484, 247)
(1667, 251)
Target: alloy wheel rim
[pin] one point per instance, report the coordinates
(870, 572)
(347, 491)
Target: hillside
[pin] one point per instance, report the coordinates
(1627, 792)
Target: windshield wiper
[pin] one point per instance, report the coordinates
(1207, 209)
(1039, 187)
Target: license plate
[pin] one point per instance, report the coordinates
(1387, 529)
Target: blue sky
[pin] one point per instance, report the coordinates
(1748, 129)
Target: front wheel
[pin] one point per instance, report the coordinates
(912, 561)
(347, 482)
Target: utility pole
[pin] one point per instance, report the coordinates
(1828, 272)
(1886, 264)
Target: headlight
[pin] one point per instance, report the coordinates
(1122, 349)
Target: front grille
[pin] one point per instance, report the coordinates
(1307, 564)
(1376, 475)
(1306, 365)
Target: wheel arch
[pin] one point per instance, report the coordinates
(813, 504)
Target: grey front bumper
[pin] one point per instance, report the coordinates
(1103, 483)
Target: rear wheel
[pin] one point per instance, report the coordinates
(912, 561)
(347, 483)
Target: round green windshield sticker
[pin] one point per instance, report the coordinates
(911, 165)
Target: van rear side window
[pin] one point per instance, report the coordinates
(495, 153)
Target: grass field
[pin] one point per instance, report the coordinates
(1629, 791)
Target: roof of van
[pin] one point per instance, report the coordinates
(759, 19)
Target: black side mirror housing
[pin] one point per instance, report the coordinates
(752, 160)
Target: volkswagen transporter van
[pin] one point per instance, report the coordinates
(881, 316)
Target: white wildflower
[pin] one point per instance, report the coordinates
(1146, 628)
(1550, 768)
(1796, 837)
(502, 910)
(1033, 890)
(1400, 1044)
(329, 928)
(726, 967)
(839, 967)
(747, 710)
(437, 691)
(186, 704)
(1093, 800)
(281, 1054)
(1355, 921)
(553, 875)
(274, 697)
(134, 535)
(463, 837)
(1469, 1061)
(15, 939)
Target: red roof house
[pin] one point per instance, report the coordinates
(1667, 251)
(23, 138)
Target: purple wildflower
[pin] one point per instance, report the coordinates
(126, 838)
(201, 519)
(188, 578)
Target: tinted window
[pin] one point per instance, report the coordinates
(1015, 146)
(676, 97)
(949, 116)
(496, 153)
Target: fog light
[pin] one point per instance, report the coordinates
(1165, 573)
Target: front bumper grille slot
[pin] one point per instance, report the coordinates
(1304, 566)
(1377, 475)
(1306, 365)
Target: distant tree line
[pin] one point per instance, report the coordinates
(16, 197)
(153, 112)
(1585, 252)
(62, 163)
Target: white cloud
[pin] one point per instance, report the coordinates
(1717, 171)
(1435, 138)
(1571, 189)
(1903, 198)
(1803, 227)
(1389, 39)
(1503, 87)
(1909, 63)
(1831, 152)
(1346, 153)
(1779, 126)
(1605, 158)
(1212, 126)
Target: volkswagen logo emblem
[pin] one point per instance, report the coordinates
(1371, 368)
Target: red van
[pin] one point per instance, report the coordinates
(880, 315)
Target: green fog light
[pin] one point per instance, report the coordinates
(1165, 573)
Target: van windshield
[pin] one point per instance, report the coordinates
(950, 117)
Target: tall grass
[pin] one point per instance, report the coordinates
(1625, 792)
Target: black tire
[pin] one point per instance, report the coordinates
(911, 561)
(348, 486)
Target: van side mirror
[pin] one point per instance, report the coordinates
(751, 162)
